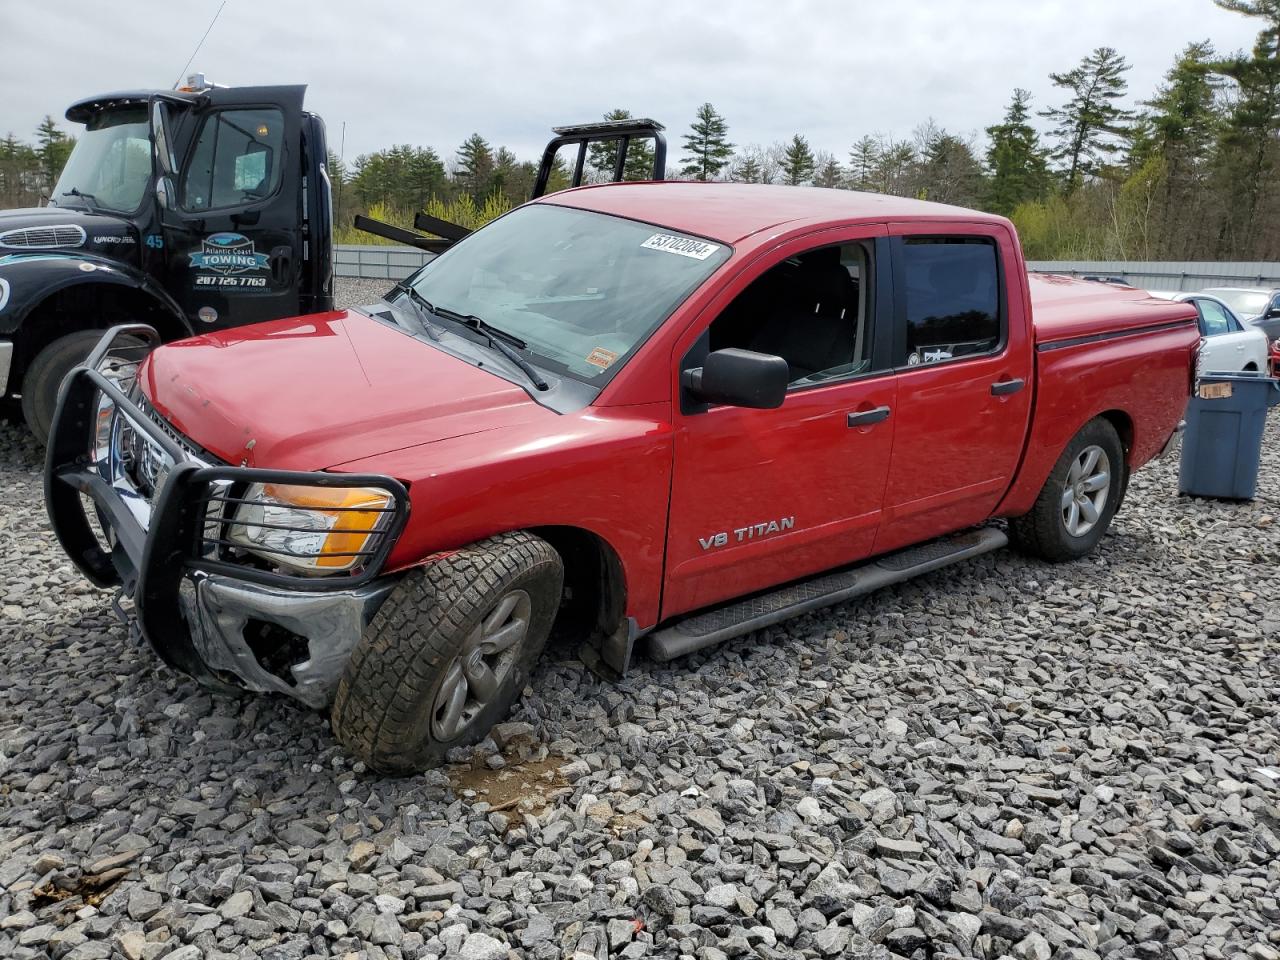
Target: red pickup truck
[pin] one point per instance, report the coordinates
(671, 411)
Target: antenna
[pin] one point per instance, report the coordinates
(183, 71)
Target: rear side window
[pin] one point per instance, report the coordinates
(1213, 318)
(951, 298)
(236, 160)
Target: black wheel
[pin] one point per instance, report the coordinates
(47, 371)
(447, 653)
(1078, 500)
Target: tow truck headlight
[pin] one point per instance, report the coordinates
(311, 529)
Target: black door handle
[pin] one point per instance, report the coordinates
(1003, 388)
(865, 418)
(281, 262)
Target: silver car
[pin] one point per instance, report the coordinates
(1228, 344)
(1259, 306)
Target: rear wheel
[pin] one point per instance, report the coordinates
(1078, 500)
(447, 653)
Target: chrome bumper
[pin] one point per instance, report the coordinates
(327, 627)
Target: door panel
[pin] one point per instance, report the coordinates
(961, 421)
(233, 234)
(763, 497)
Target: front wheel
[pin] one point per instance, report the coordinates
(1078, 500)
(50, 367)
(447, 653)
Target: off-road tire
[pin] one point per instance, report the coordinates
(46, 372)
(383, 710)
(1042, 532)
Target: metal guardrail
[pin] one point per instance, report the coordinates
(375, 262)
(1169, 274)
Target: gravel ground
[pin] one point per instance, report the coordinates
(1002, 759)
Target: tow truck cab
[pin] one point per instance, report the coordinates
(191, 210)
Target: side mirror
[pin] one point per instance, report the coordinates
(1273, 313)
(164, 193)
(739, 378)
(163, 141)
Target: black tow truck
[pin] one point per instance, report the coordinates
(189, 210)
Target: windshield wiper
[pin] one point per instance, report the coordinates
(500, 340)
(89, 199)
(419, 300)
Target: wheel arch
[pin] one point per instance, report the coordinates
(594, 598)
(87, 300)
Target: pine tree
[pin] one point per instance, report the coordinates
(603, 157)
(1088, 126)
(827, 171)
(53, 148)
(797, 163)
(1015, 159)
(1249, 141)
(707, 146)
(474, 172)
(864, 158)
(747, 169)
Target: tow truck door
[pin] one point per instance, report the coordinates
(232, 233)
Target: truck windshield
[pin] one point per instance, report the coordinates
(583, 290)
(110, 166)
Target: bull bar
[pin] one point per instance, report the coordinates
(190, 602)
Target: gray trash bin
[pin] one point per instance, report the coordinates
(1222, 444)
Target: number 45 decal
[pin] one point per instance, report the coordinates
(154, 241)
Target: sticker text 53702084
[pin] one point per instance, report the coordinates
(684, 246)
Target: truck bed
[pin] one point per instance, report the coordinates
(1064, 309)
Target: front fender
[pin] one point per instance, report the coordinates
(31, 278)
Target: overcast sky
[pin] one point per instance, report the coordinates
(423, 72)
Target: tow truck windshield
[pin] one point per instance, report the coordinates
(580, 290)
(110, 165)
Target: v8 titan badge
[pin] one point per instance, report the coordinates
(231, 262)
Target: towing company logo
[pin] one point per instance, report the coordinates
(231, 261)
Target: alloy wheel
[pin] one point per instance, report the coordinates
(475, 676)
(1084, 495)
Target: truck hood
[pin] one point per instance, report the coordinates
(313, 392)
(64, 230)
(1064, 308)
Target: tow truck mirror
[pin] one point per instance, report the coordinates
(164, 193)
(160, 137)
(739, 378)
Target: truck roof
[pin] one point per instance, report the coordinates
(729, 212)
(82, 110)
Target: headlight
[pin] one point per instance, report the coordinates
(311, 529)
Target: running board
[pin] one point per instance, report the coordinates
(764, 610)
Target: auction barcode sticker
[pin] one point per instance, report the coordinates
(684, 246)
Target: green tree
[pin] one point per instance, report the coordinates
(402, 177)
(53, 148)
(707, 146)
(1015, 159)
(950, 171)
(1089, 125)
(797, 161)
(475, 168)
(827, 171)
(1250, 138)
(864, 159)
(602, 158)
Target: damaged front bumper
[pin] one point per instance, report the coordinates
(165, 508)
